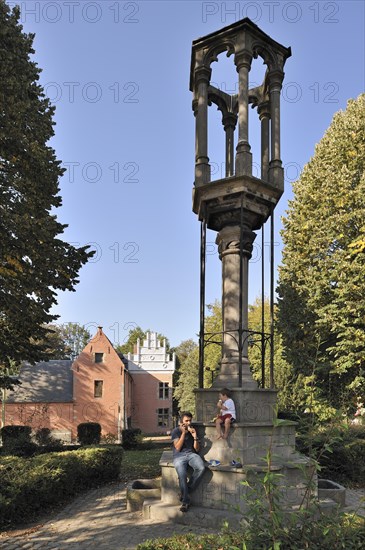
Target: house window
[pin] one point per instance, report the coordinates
(163, 390)
(98, 388)
(99, 357)
(162, 417)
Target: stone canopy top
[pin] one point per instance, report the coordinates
(245, 40)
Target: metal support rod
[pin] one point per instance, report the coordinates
(262, 307)
(203, 238)
(240, 328)
(272, 384)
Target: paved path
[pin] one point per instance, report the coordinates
(98, 519)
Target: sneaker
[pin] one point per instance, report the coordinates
(184, 507)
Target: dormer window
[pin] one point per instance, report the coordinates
(99, 357)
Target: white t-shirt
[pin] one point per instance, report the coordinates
(230, 408)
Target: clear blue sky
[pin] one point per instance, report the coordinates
(118, 73)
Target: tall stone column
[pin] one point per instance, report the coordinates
(200, 106)
(229, 123)
(276, 172)
(243, 150)
(263, 110)
(228, 241)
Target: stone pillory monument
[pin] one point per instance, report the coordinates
(235, 207)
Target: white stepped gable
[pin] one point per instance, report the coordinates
(151, 356)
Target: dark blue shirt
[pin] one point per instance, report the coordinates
(188, 445)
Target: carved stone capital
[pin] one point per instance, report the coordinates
(263, 110)
(229, 238)
(275, 80)
(243, 59)
(203, 74)
(229, 121)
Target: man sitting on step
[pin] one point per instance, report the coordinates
(185, 453)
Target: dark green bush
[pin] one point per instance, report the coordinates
(17, 441)
(131, 438)
(340, 452)
(45, 439)
(89, 433)
(29, 487)
(13, 432)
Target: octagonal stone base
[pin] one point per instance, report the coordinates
(223, 495)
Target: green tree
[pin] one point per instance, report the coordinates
(182, 351)
(290, 394)
(285, 382)
(67, 341)
(8, 380)
(189, 360)
(34, 262)
(188, 380)
(321, 280)
(135, 334)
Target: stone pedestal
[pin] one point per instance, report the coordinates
(222, 494)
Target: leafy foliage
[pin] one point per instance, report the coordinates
(182, 351)
(283, 375)
(188, 357)
(17, 441)
(31, 486)
(339, 450)
(66, 341)
(45, 439)
(267, 525)
(89, 433)
(35, 262)
(321, 281)
(131, 438)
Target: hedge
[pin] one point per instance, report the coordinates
(131, 438)
(340, 453)
(89, 433)
(33, 485)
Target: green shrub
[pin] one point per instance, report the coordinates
(29, 487)
(45, 440)
(131, 438)
(13, 432)
(108, 439)
(89, 433)
(17, 441)
(340, 452)
(326, 533)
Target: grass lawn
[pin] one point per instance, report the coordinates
(142, 463)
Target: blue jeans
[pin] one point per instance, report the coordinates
(181, 463)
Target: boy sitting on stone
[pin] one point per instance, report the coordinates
(227, 414)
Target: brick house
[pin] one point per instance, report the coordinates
(99, 386)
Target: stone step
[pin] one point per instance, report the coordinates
(196, 515)
(211, 517)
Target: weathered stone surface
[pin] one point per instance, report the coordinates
(140, 490)
(222, 486)
(330, 489)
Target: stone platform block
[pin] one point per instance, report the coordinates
(140, 490)
(222, 487)
(196, 515)
(252, 406)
